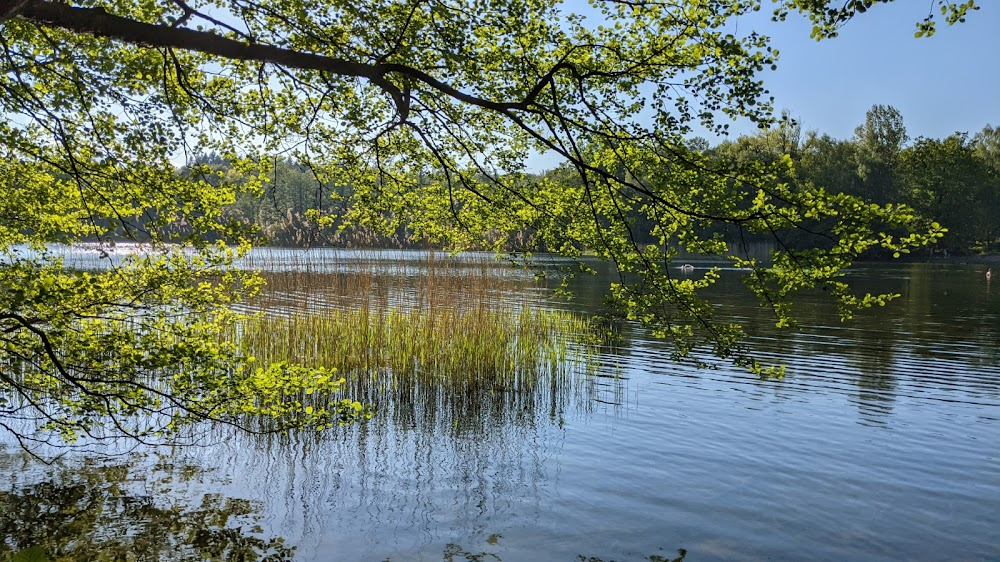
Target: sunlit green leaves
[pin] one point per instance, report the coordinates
(828, 17)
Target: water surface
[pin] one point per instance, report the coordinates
(881, 443)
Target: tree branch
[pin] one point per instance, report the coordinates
(98, 22)
(11, 9)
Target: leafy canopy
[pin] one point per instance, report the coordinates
(426, 109)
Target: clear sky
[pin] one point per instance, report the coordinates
(942, 84)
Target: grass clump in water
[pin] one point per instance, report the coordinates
(465, 340)
(503, 349)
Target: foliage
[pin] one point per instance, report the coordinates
(830, 162)
(987, 147)
(947, 179)
(423, 112)
(879, 141)
(829, 16)
(131, 351)
(951, 179)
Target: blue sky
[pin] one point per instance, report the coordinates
(942, 84)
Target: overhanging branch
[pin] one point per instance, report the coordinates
(98, 22)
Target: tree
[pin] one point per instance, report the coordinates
(946, 179)
(987, 147)
(831, 163)
(426, 109)
(987, 150)
(879, 141)
(769, 145)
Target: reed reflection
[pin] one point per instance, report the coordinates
(470, 373)
(875, 382)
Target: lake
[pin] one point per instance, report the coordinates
(882, 442)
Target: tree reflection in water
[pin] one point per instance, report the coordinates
(101, 511)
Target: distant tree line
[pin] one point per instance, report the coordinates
(954, 181)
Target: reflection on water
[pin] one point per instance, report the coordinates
(455, 552)
(303, 281)
(99, 510)
(938, 342)
(882, 442)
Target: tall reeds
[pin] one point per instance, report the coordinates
(498, 347)
(471, 336)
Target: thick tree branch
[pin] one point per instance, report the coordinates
(98, 22)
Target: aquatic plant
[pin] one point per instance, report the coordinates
(500, 346)
(434, 329)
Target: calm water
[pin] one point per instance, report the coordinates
(882, 443)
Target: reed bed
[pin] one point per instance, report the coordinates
(501, 348)
(466, 339)
(463, 371)
(426, 339)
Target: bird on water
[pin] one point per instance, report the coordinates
(989, 274)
